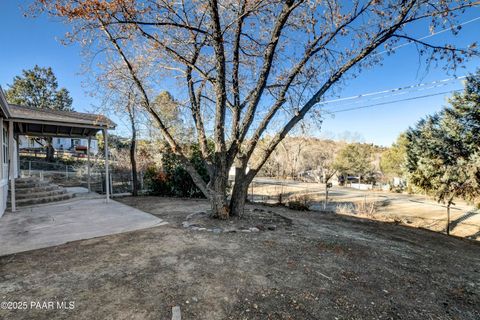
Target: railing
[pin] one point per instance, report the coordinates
(120, 181)
(61, 154)
(31, 166)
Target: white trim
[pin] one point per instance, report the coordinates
(12, 164)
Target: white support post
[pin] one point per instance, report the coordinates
(18, 157)
(107, 180)
(11, 159)
(88, 164)
(1, 151)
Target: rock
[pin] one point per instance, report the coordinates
(202, 229)
(194, 299)
(254, 229)
(217, 230)
(246, 230)
(176, 315)
(191, 215)
(272, 227)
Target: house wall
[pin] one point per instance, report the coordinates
(59, 143)
(4, 166)
(4, 159)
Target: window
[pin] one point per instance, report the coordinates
(75, 142)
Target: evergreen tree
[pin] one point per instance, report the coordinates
(355, 159)
(392, 161)
(443, 152)
(38, 88)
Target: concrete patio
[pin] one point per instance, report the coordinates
(81, 218)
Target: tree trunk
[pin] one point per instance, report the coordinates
(239, 193)
(326, 195)
(50, 152)
(218, 196)
(448, 218)
(133, 162)
(133, 148)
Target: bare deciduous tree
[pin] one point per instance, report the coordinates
(246, 65)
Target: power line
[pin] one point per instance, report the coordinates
(436, 83)
(411, 86)
(395, 101)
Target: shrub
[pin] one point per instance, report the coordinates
(366, 208)
(172, 179)
(298, 205)
(156, 181)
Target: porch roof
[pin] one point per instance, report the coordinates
(3, 105)
(47, 122)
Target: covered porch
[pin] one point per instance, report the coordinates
(45, 123)
(86, 215)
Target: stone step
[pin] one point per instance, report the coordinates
(32, 191)
(38, 183)
(27, 179)
(47, 199)
(41, 194)
(48, 187)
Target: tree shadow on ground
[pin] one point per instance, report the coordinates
(474, 236)
(462, 218)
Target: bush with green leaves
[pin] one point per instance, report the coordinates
(171, 179)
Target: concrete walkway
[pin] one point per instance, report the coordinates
(54, 224)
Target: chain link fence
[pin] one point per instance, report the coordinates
(76, 175)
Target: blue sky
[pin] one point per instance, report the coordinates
(27, 41)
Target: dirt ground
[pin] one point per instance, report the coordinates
(316, 266)
(413, 210)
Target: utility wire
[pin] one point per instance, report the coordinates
(395, 101)
(411, 86)
(420, 85)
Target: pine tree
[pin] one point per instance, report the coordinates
(443, 153)
(38, 88)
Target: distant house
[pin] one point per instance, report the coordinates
(59, 144)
